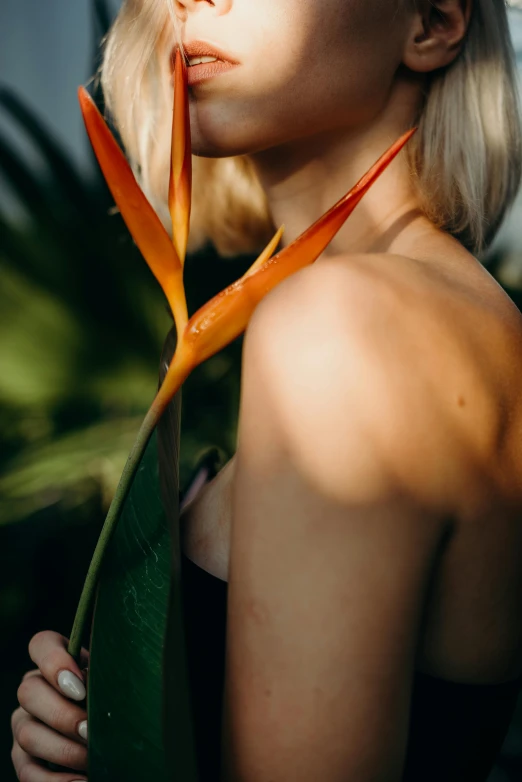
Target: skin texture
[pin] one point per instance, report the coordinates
(345, 79)
(378, 416)
(310, 46)
(352, 474)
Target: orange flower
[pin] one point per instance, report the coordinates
(226, 316)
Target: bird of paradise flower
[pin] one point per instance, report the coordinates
(224, 317)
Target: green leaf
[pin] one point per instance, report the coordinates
(27, 186)
(71, 468)
(65, 176)
(140, 585)
(177, 732)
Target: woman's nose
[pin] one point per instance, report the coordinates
(190, 5)
(186, 6)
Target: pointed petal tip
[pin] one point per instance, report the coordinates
(83, 96)
(266, 255)
(403, 140)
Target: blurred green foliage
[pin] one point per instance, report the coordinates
(82, 322)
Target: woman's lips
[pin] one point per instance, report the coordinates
(204, 71)
(207, 70)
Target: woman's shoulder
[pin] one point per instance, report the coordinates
(444, 315)
(427, 357)
(389, 300)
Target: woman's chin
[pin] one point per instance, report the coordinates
(218, 148)
(219, 145)
(208, 150)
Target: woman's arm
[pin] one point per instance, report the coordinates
(330, 554)
(205, 523)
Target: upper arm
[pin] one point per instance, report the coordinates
(332, 354)
(330, 561)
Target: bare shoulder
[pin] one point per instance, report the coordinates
(424, 361)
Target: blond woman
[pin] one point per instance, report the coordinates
(364, 548)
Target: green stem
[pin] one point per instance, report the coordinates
(91, 581)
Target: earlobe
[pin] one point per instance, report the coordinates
(437, 34)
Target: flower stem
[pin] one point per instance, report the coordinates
(176, 374)
(129, 471)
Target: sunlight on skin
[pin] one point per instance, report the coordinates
(223, 318)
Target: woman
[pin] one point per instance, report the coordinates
(368, 525)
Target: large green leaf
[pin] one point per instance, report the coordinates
(139, 586)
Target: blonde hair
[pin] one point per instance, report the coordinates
(466, 158)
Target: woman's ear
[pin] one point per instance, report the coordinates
(437, 32)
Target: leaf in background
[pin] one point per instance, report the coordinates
(70, 183)
(126, 679)
(26, 185)
(71, 466)
(76, 355)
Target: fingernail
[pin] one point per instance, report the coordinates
(71, 685)
(82, 729)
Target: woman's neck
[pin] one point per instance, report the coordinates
(303, 179)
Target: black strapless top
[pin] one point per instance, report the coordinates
(456, 730)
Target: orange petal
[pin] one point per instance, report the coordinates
(141, 219)
(266, 254)
(226, 316)
(180, 185)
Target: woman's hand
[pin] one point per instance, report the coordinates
(51, 723)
